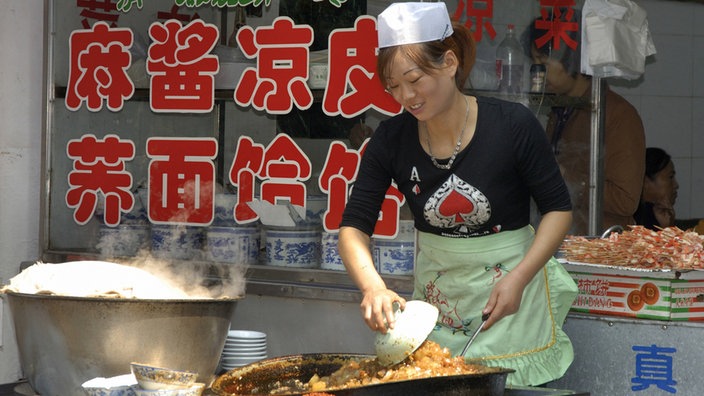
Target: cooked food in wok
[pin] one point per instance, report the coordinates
(429, 360)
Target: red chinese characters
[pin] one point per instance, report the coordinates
(387, 224)
(338, 174)
(352, 62)
(282, 67)
(282, 167)
(479, 14)
(98, 68)
(99, 168)
(100, 10)
(339, 171)
(181, 67)
(556, 28)
(181, 180)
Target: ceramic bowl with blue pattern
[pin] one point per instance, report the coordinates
(194, 390)
(159, 378)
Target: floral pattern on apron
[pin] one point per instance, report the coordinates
(457, 276)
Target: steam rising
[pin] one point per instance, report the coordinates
(142, 278)
(178, 260)
(196, 279)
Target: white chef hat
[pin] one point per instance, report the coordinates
(409, 23)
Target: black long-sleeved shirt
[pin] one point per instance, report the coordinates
(488, 188)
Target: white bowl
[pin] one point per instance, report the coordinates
(243, 344)
(240, 361)
(246, 335)
(412, 327)
(246, 354)
(245, 341)
(230, 355)
(121, 385)
(244, 350)
(194, 390)
(159, 378)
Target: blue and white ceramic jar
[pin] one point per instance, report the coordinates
(292, 247)
(330, 256)
(396, 256)
(177, 242)
(236, 245)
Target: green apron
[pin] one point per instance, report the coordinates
(457, 276)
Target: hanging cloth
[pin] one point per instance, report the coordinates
(615, 39)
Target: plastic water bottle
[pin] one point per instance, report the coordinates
(509, 63)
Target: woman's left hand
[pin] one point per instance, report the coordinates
(505, 298)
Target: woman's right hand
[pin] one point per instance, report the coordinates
(377, 300)
(378, 308)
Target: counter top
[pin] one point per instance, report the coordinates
(22, 388)
(535, 391)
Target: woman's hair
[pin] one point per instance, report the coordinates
(568, 57)
(656, 159)
(428, 55)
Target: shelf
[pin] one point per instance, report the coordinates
(142, 94)
(546, 100)
(307, 283)
(534, 99)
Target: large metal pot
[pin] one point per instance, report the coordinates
(65, 341)
(260, 378)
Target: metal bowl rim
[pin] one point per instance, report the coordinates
(123, 299)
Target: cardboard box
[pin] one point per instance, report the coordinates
(638, 293)
(687, 297)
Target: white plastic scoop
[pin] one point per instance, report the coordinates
(412, 327)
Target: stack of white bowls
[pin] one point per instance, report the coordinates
(243, 347)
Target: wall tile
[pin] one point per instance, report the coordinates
(698, 12)
(635, 100)
(668, 124)
(668, 17)
(630, 87)
(698, 64)
(697, 192)
(698, 129)
(670, 73)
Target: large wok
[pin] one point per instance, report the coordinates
(261, 377)
(65, 341)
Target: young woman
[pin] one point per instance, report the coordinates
(468, 167)
(657, 202)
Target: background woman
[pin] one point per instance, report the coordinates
(657, 202)
(569, 131)
(468, 167)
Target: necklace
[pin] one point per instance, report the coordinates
(457, 146)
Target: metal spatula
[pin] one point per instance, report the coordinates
(476, 332)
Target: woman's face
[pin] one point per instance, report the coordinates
(422, 94)
(663, 187)
(557, 79)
